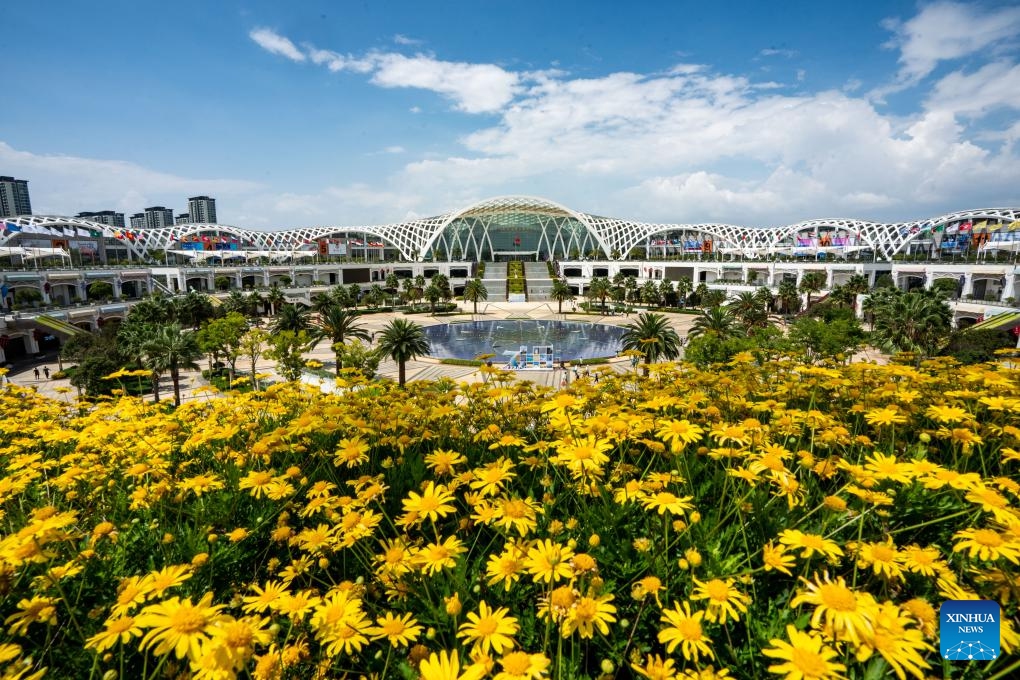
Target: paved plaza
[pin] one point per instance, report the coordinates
(419, 369)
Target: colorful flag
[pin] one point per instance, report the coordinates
(966, 226)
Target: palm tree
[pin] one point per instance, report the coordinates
(172, 349)
(235, 302)
(714, 321)
(338, 324)
(811, 282)
(650, 294)
(561, 293)
(765, 297)
(858, 284)
(275, 298)
(683, 289)
(789, 298)
(474, 290)
(292, 318)
(192, 309)
(652, 335)
(750, 310)
(667, 293)
(255, 306)
(918, 321)
(600, 289)
(432, 294)
(403, 340)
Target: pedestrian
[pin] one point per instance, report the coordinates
(46, 372)
(36, 373)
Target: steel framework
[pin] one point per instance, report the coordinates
(560, 229)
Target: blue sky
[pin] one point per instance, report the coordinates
(361, 113)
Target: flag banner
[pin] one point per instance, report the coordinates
(966, 226)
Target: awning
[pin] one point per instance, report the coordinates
(1005, 321)
(58, 325)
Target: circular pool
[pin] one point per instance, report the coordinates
(505, 338)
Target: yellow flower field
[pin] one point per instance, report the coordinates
(782, 520)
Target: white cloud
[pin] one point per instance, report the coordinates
(944, 31)
(775, 52)
(475, 88)
(275, 43)
(66, 185)
(990, 87)
(401, 39)
(394, 149)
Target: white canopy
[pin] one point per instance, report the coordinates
(33, 253)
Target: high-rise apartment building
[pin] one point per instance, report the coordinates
(158, 216)
(138, 221)
(14, 199)
(108, 217)
(183, 218)
(202, 209)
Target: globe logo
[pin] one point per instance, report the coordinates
(969, 630)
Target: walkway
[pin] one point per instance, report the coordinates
(419, 369)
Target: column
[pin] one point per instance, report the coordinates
(31, 346)
(116, 289)
(829, 277)
(968, 284)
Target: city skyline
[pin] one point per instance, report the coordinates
(881, 111)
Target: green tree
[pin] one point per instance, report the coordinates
(251, 347)
(275, 298)
(811, 282)
(650, 294)
(392, 283)
(599, 289)
(474, 290)
(858, 284)
(432, 294)
(789, 298)
(97, 290)
(750, 310)
(652, 335)
(360, 356)
(354, 293)
(918, 321)
(822, 339)
(765, 297)
(561, 293)
(684, 286)
(402, 341)
(715, 321)
(337, 324)
(236, 302)
(192, 309)
(255, 304)
(287, 349)
(222, 338)
(667, 293)
(172, 349)
(222, 282)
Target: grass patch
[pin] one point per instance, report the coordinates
(461, 362)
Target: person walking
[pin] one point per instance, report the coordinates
(46, 372)
(36, 370)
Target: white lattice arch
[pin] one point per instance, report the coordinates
(414, 238)
(525, 204)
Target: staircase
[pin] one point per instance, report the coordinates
(495, 280)
(516, 283)
(539, 282)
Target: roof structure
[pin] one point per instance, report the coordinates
(615, 237)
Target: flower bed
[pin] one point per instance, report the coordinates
(778, 518)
